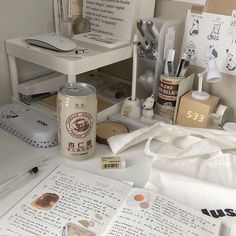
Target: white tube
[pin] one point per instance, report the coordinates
(134, 70)
(56, 17)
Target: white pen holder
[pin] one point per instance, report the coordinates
(131, 108)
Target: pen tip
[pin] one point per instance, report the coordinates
(34, 170)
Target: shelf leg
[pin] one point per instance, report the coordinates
(14, 77)
(71, 78)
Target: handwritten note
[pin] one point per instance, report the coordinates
(111, 17)
(73, 202)
(65, 196)
(146, 213)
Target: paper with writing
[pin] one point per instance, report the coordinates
(110, 17)
(111, 22)
(148, 213)
(67, 195)
(72, 202)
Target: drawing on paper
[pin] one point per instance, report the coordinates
(210, 52)
(194, 30)
(191, 50)
(230, 61)
(215, 33)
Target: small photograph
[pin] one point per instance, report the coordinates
(45, 201)
(72, 229)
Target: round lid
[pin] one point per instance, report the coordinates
(77, 89)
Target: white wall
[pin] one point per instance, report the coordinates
(21, 18)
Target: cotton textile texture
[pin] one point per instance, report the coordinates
(196, 167)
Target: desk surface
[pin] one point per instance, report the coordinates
(15, 152)
(68, 63)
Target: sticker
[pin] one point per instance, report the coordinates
(232, 27)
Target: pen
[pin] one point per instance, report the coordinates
(185, 67)
(15, 182)
(12, 174)
(183, 58)
(169, 64)
(64, 231)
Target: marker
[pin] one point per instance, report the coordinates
(169, 64)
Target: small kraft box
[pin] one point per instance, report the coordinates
(195, 113)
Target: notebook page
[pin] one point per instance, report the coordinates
(148, 213)
(67, 200)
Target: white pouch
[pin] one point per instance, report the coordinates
(194, 170)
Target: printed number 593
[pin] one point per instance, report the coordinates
(195, 116)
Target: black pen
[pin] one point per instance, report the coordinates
(185, 67)
(181, 63)
(169, 64)
(15, 182)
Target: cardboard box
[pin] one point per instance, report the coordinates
(195, 113)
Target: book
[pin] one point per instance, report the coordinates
(71, 202)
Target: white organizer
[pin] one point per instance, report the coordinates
(69, 63)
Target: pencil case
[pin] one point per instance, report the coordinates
(29, 125)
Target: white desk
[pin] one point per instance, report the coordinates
(15, 152)
(67, 63)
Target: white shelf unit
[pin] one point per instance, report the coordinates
(69, 63)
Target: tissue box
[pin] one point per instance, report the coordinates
(195, 113)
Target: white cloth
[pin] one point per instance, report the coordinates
(194, 170)
(194, 166)
(168, 133)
